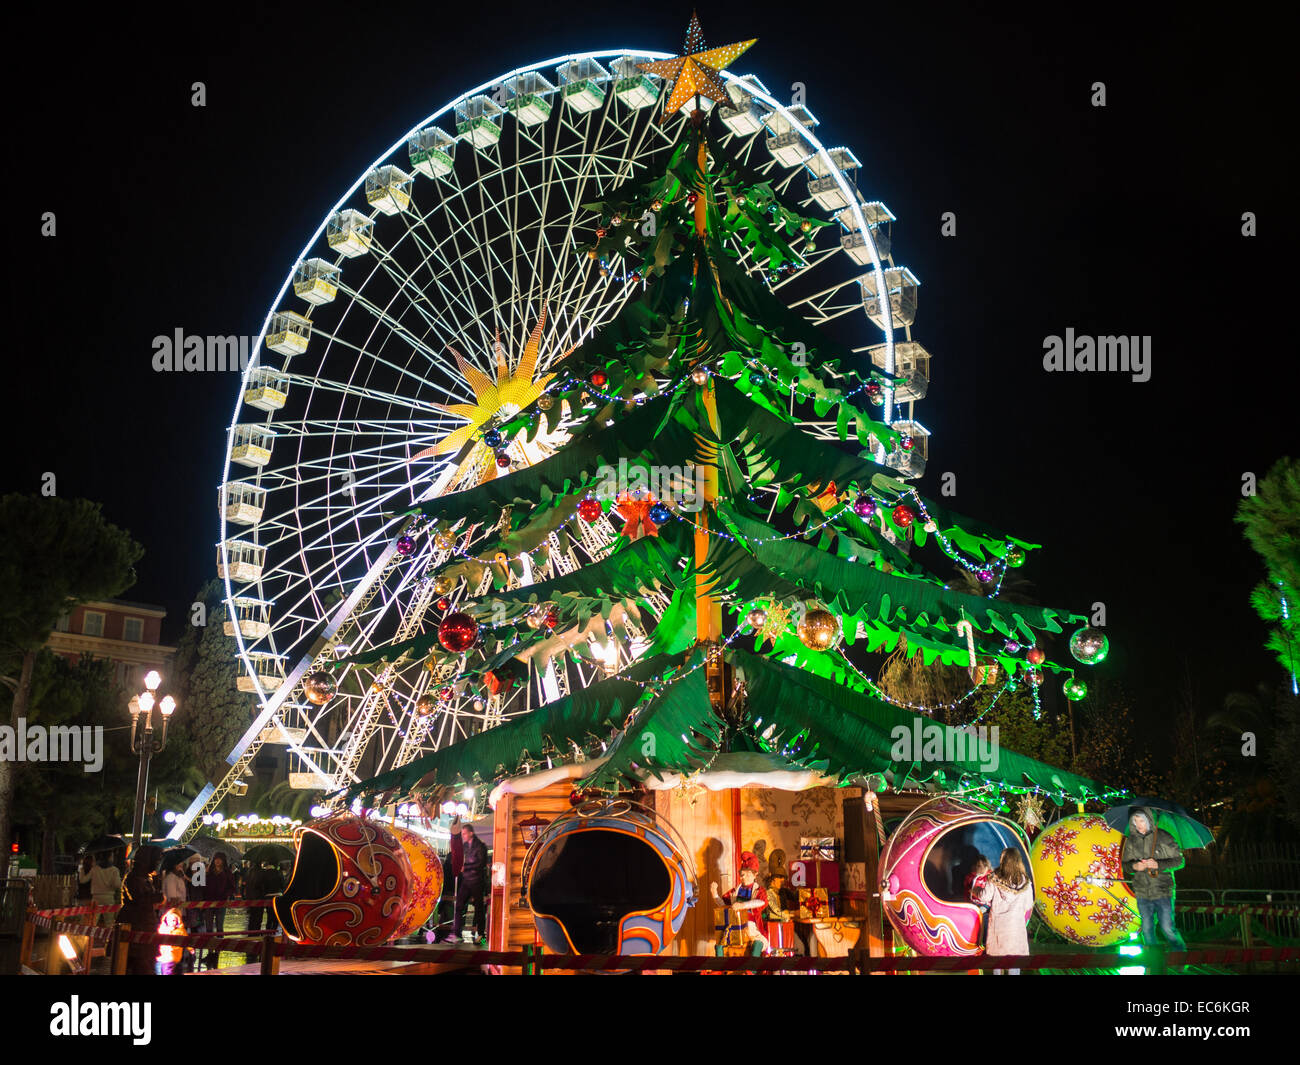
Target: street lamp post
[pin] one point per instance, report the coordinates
(142, 739)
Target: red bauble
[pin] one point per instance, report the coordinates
(551, 619)
(691, 198)
(457, 632)
(599, 378)
(589, 509)
(1036, 656)
(442, 604)
(503, 460)
(903, 516)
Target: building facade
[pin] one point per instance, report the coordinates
(127, 634)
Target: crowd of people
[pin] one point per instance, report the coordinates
(152, 897)
(156, 898)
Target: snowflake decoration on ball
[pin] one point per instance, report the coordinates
(1111, 916)
(1106, 861)
(1067, 897)
(1056, 845)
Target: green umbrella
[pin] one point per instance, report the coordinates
(1188, 832)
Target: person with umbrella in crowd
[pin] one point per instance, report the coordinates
(141, 895)
(219, 886)
(1150, 857)
(83, 879)
(263, 881)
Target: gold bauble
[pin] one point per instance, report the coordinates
(545, 402)
(700, 375)
(319, 688)
(424, 706)
(442, 586)
(756, 618)
(818, 630)
(444, 541)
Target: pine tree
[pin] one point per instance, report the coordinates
(213, 713)
(1271, 523)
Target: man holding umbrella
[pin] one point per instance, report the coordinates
(1150, 856)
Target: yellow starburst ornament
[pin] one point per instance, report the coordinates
(511, 392)
(695, 71)
(775, 624)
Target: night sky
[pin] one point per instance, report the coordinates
(1122, 220)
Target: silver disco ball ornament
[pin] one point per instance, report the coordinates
(1089, 646)
(756, 618)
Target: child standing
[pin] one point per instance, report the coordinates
(172, 924)
(977, 878)
(1009, 894)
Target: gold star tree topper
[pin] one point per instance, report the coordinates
(512, 391)
(695, 71)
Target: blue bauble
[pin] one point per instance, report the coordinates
(492, 438)
(659, 514)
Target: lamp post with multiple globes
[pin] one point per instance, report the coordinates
(142, 738)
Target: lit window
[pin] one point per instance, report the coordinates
(133, 630)
(92, 623)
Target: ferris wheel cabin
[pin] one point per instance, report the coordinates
(633, 86)
(348, 232)
(267, 390)
(880, 224)
(822, 185)
(527, 95)
(289, 333)
(581, 79)
(746, 117)
(431, 152)
(316, 281)
(911, 369)
(901, 285)
(250, 617)
(787, 144)
(243, 503)
(388, 190)
(267, 670)
(252, 445)
(239, 560)
(478, 120)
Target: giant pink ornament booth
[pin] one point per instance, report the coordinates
(923, 870)
(349, 887)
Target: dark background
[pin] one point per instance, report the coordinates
(1122, 220)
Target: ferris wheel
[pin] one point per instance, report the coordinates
(433, 298)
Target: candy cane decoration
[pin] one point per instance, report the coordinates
(965, 627)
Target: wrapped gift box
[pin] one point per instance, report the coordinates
(814, 904)
(821, 848)
(814, 873)
(781, 934)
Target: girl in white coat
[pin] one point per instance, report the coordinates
(1009, 894)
